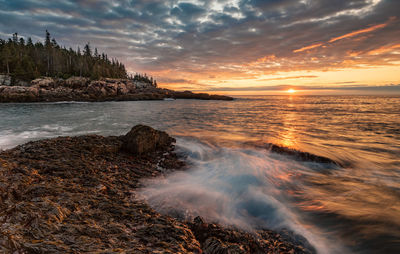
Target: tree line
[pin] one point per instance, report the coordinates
(25, 60)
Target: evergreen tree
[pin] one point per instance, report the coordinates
(86, 50)
(26, 60)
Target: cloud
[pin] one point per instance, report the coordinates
(317, 45)
(383, 49)
(358, 32)
(292, 77)
(232, 39)
(347, 35)
(387, 88)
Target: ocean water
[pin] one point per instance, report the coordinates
(354, 208)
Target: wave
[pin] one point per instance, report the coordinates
(243, 187)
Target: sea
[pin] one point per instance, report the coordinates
(233, 179)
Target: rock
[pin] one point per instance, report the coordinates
(46, 83)
(79, 195)
(77, 82)
(140, 84)
(82, 89)
(122, 89)
(214, 246)
(97, 89)
(299, 155)
(18, 93)
(144, 139)
(5, 80)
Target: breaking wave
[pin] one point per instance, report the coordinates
(244, 187)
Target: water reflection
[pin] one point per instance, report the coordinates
(358, 203)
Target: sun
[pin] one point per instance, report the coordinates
(291, 90)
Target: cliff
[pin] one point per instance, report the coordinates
(84, 89)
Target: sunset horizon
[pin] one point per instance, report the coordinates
(232, 47)
(200, 126)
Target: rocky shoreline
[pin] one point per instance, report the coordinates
(84, 89)
(79, 194)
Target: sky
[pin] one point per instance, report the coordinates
(230, 46)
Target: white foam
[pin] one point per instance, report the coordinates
(241, 187)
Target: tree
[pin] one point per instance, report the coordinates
(47, 44)
(6, 54)
(25, 60)
(86, 50)
(96, 54)
(29, 42)
(47, 41)
(15, 38)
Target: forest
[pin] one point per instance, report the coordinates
(24, 60)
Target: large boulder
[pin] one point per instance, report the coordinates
(77, 82)
(97, 89)
(46, 83)
(143, 139)
(122, 89)
(18, 93)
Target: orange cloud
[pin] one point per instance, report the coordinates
(348, 35)
(308, 47)
(262, 60)
(291, 77)
(366, 30)
(383, 49)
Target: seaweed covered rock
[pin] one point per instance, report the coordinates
(144, 139)
(79, 195)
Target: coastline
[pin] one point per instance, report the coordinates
(77, 194)
(86, 90)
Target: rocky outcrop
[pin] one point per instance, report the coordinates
(300, 155)
(83, 89)
(214, 238)
(18, 94)
(201, 96)
(78, 195)
(144, 139)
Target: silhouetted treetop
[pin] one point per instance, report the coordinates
(27, 61)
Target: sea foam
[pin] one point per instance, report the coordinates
(243, 187)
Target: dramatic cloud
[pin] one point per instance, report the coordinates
(221, 43)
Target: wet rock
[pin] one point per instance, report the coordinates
(78, 195)
(303, 156)
(144, 139)
(215, 246)
(217, 239)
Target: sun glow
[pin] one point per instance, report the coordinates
(291, 90)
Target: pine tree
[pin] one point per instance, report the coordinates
(27, 60)
(86, 50)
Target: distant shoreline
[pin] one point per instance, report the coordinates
(81, 89)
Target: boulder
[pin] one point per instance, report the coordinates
(131, 86)
(143, 139)
(46, 83)
(97, 89)
(77, 82)
(5, 80)
(122, 89)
